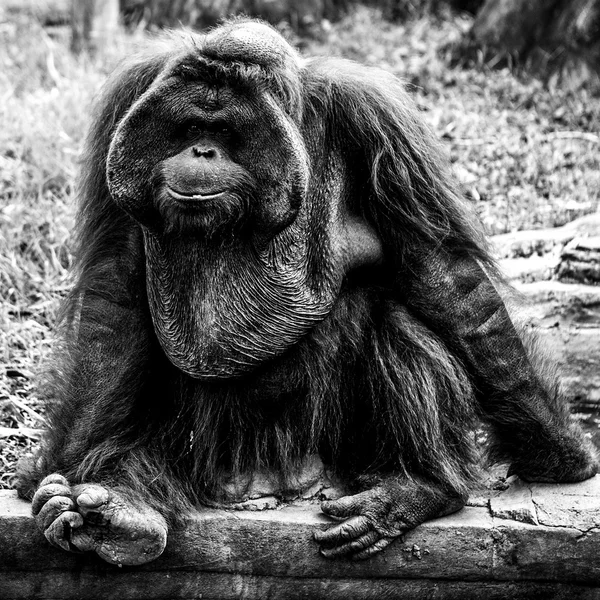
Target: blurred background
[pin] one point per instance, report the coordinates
(511, 87)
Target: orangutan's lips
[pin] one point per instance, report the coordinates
(187, 197)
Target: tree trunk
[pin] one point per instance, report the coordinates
(469, 6)
(546, 35)
(82, 16)
(93, 23)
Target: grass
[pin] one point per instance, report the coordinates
(500, 130)
(44, 108)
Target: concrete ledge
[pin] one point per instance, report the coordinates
(531, 541)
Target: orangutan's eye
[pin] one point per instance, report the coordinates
(193, 130)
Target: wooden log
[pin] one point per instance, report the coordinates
(542, 241)
(531, 541)
(580, 261)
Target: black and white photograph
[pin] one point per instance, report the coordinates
(299, 299)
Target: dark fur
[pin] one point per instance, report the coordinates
(386, 383)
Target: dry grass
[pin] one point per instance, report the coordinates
(499, 128)
(44, 107)
(500, 131)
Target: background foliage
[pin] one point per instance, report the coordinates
(526, 152)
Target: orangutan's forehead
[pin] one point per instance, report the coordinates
(247, 59)
(217, 76)
(250, 42)
(212, 96)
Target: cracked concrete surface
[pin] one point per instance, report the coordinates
(575, 506)
(527, 541)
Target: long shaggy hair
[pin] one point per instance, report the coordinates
(372, 388)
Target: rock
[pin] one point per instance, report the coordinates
(542, 241)
(580, 261)
(565, 319)
(532, 268)
(558, 271)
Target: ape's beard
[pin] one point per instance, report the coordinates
(211, 219)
